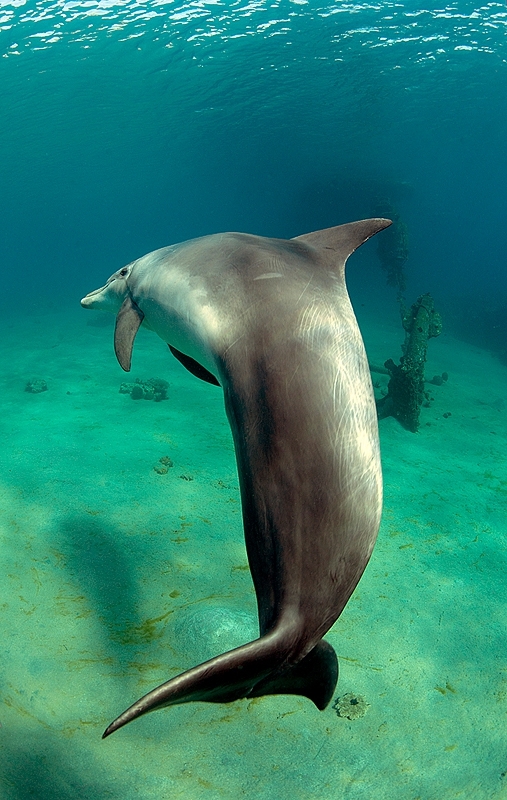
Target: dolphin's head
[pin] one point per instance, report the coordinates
(111, 296)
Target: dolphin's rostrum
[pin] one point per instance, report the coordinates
(270, 320)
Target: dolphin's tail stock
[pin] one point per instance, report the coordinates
(266, 666)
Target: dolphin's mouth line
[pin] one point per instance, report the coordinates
(88, 299)
(90, 295)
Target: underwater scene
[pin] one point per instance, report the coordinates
(130, 126)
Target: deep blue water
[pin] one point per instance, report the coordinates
(128, 126)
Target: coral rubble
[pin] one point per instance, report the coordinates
(163, 465)
(36, 386)
(152, 389)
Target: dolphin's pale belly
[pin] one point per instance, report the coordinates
(179, 333)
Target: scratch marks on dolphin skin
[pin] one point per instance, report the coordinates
(304, 290)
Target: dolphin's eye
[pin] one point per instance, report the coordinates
(123, 272)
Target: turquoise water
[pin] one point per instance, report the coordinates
(129, 126)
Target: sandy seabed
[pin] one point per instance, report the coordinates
(116, 577)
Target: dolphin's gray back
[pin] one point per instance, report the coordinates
(300, 403)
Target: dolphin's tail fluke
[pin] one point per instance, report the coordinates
(253, 670)
(315, 677)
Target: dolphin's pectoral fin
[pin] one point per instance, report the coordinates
(128, 322)
(194, 367)
(314, 677)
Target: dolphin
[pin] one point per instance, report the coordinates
(270, 321)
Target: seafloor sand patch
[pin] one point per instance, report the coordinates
(116, 577)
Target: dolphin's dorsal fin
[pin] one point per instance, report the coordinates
(194, 367)
(128, 322)
(342, 240)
